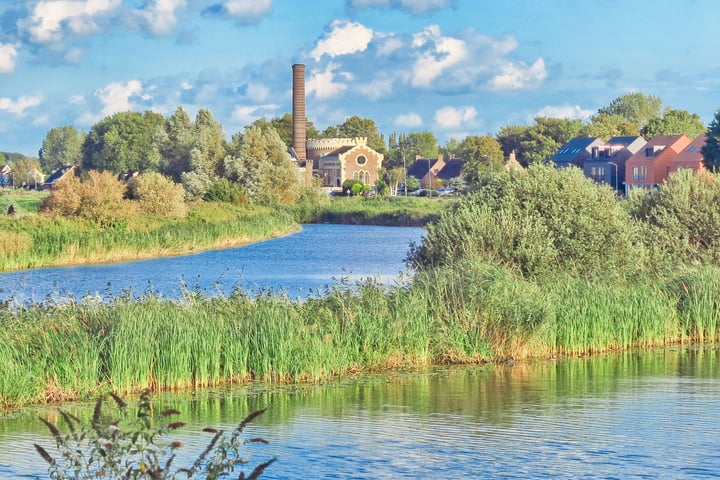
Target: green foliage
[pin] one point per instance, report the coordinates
(605, 125)
(482, 155)
(61, 146)
(127, 444)
(176, 150)
(27, 171)
(674, 122)
(352, 186)
(357, 127)
(158, 195)
(125, 141)
(536, 221)
(535, 143)
(223, 190)
(711, 149)
(637, 108)
(681, 220)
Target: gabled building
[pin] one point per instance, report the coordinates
(650, 166)
(452, 169)
(6, 179)
(691, 157)
(335, 160)
(426, 170)
(607, 161)
(574, 152)
(61, 172)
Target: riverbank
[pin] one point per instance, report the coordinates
(35, 240)
(482, 313)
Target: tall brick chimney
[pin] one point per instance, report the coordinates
(299, 132)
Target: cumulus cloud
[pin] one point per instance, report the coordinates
(51, 18)
(343, 38)
(114, 97)
(377, 88)
(453, 117)
(573, 112)
(408, 120)
(438, 53)
(158, 18)
(517, 76)
(245, 12)
(323, 84)
(8, 54)
(19, 106)
(415, 7)
(246, 114)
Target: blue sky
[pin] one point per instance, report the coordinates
(454, 67)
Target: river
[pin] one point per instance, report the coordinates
(301, 264)
(630, 415)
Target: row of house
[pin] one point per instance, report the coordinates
(7, 177)
(629, 162)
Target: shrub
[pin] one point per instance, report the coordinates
(223, 190)
(159, 195)
(536, 221)
(133, 447)
(99, 198)
(681, 220)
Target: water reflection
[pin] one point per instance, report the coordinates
(636, 414)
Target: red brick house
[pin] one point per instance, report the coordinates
(691, 157)
(650, 167)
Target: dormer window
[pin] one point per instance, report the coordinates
(649, 151)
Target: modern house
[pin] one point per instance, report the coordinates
(650, 166)
(606, 163)
(61, 172)
(574, 152)
(691, 157)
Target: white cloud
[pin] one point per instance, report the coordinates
(258, 92)
(248, 11)
(573, 112)
(440, 53)
(50, 17)
(19, 106)
(343, 38)
(517, 76)
(159, 17)
(115, 96)
(322, 84)
(388, 44)
(408, 120)
(415, 7)
(8, 54)
(378, 88)
(246, 114)
(452, 117)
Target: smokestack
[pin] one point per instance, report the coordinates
(299, 128)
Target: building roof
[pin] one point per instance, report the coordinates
(452, 169)
(339, 151)
(58, 174)
(576, 149)
(692, 155)
(420, 167)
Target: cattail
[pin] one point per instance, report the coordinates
(44, 454)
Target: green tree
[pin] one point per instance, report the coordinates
(425, 143)
(637, 108)
(207, 155)
(158, 195)
(510, 138)
(675, 122)
(358, 127)
(26, 171)
(546, 136)
(283, 125)
(125, 141)
(608, 126)
(451, 148)
(711, 149)
(482, 154)
(61, 146)
(180, 140)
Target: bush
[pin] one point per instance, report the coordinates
(536, 221)
(159, 195)
(132, 446)
(99, 198)
(681, 220)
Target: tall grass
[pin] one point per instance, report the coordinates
(483, 312)
(374, 210)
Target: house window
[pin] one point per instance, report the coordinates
(363, 176)
(639, 174)
(597, 174)
(361, 160)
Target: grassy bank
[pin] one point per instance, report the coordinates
(374, 210)
(481, 313)
(33, 240)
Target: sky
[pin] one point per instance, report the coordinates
(453, 67)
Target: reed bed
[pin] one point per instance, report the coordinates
(481, 313)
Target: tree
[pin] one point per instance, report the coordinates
(180, 139)
(482, 154)
(608, 126)
(263, 167)
(26, 171)
(125, 141)
(451, 148)
(158, 195)
(510, 138)
(546, 136)
(425, 143)
(207, 156)
(283, 125)
(675, 122)
(711, 149)
(637, 108)
(61, 146)
(358, 127)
